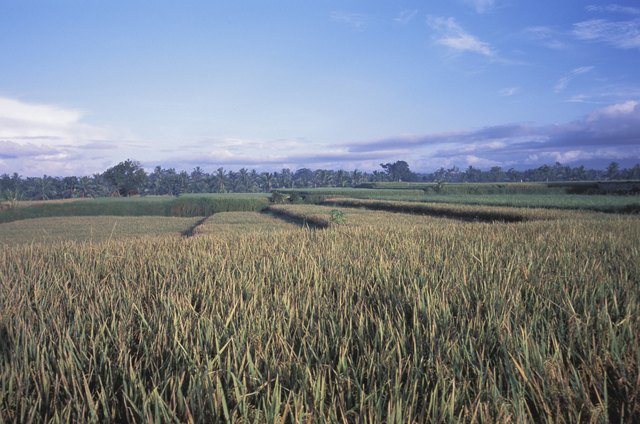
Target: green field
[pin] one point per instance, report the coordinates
(189, 205)
(603, 203)
(390, 315)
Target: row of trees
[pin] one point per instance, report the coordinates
(129, 178)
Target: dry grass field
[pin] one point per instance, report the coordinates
(90, 228)
(243, 223)
(385, 318)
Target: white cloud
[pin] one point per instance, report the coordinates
(452, 35)
(509, 91)
(356, 21)
(619, 34)
(15, 110)
(564, 81)
(546, 37)
(614, 8)
(614, 111)
(40, 138)
(405, 16)
(481, 6)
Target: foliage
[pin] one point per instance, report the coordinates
(185, 206)
(169, 181)
(337, 217)
(205, 205)
(278, 197)
(127, 177)
(446, 322)
(398, 171)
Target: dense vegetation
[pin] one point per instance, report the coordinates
(128, 178)
(92, 229)
(432, 321)
(183, 206)
(288, 311)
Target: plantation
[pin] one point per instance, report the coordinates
(91, 228)
(356, 310)
(185, 206)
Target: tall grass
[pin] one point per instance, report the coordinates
(451, 210)
(205, 205)
(91, 228)
(448, 322)
(183, 206)
(602, 203)
(234, 224)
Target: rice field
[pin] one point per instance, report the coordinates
(354, 217)
(421, 319)
(480, 213)
(90, 228)
(236, 224)
(602, 203)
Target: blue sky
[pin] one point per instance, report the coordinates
(318, 84)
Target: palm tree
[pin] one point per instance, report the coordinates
(220, 180)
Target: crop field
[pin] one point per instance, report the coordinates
(90, 228)
(241, 223)
(604, 203)
(373, 316)
(459, 211)
(189, 205)
(353, 217)
(517, 196)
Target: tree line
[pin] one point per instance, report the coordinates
(129, 178)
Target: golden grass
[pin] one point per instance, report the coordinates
(242, 223)
(90, 228)
(462, 211)
(442, 322)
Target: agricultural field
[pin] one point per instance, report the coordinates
(514, 195)
(189, 205)
(603, 203)
(242, 223)
(325, 216)
(90, 228)
(387, 315)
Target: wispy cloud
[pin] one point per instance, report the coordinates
(481, 6)
(355, 21)
(509, 91)
(614, 8)
(564, 81)
(546, 37)
(606, 94)
(619, 34)
(450, 34)
(405, 16)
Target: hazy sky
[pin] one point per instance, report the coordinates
(317, 83)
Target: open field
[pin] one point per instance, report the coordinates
(353, 217)
(243, 223)
(90, 228)
(458, 211)
(518, 195)
(603, 203)
(185, 206)
(384, 317)
(448, 321)
(558, 187)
